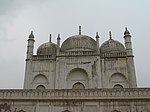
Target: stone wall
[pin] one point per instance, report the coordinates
(88, 100)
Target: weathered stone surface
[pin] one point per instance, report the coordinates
(88, 100)
(79, 76)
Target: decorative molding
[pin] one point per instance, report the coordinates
(69, 94)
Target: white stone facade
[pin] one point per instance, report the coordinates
(81, 75)
(80, 62)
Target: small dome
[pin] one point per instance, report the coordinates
(112, 46)
(79, 43)
(48, 48)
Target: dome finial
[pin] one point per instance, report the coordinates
(97, 36)
(110, 36)
(58, 38)
(31, 36)
(79, 30)
(50, 38)
(126, 31)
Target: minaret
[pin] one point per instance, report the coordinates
(30, 46)
(130, 60)
(128, 43)
(97, 41)
(27, 79)
(58, 44)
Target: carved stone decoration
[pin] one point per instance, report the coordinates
(21, 111)
(145, 110)
(5, 107)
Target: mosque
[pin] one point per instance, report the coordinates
(80, 75)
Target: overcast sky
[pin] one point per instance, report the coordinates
(19, 17)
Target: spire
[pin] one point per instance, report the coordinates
(110, 36)
(50, 38)
(31, 36)
(128, 42)
(79, 30)
(126, 33)
(58, 44)
(97, 36)
(58, 38)
(97, 42)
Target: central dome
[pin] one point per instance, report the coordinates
(79, 43)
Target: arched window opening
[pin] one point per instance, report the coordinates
(41, 87)
(78, 85)
(118, 86)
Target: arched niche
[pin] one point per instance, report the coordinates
(78, 85)
(118, 80)
(77, 76)
(118, 86)
(40, 87)
(40, 80)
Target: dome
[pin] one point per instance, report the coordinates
(48, 48)
(112, 46)
(79, 43)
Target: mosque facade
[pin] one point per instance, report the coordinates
(80, 75)
(81, 63)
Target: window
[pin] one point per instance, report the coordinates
(41, 87)
(78, 85)
(118, 86)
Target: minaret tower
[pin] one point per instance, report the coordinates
(97, 41)
(30, 48)
(58, 44)
(130, 59)
(128, 43)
